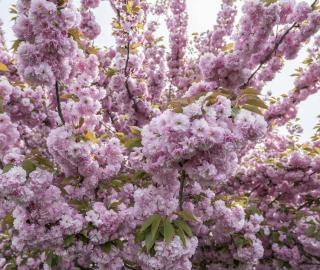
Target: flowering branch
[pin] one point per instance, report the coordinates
(269, 56)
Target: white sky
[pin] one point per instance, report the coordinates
(202, 15)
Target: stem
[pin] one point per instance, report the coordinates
(254, 189)
(182, 182)
(111, 117)
(303, 205)
(58, 103)
(275, 199)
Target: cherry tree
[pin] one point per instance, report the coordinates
(155, 156)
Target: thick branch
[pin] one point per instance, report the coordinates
(58, 103)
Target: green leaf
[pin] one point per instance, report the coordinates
(28, 165)
(81, 206)
(110, 72)
(121, 136)
(90, 136)
(147, 223)
(251, 108)
(43, 161)
(252, 210)
(115, 204)
(318, 236)
(92, 50)
(182, 237)
(140, 236)
(75, 33)
(311, 230)
(155, 225)
(74, 97)
(16, 45)
(135, 130)
(269, 2)
(283, 264)
(8, 220)
(69, 240)
(52, 259)
(7, 168)
(62, 2)
(134, 142)
(118, 243)
(13, 10)
(81, 121)
(168, 231)
(250, 91)
(84, 239)
(85, 232)
(257, 102)
(240, 242)
(186, 215)
(10, 266)
(183, 226)
(275, 236)
(3, 67)
(106, 247)
(307, 61)
(150, 240)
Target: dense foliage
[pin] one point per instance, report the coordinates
(152, 157)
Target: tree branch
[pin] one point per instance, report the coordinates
(182, 183)
(58, 103)
(126, 73)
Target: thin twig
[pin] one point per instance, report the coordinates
(58, 103)
(254, 189)
(111, 117)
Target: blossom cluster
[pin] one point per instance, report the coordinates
(45, 50)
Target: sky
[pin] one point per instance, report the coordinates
(202, 16)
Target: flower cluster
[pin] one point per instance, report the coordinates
(177, 24)
(45, 52)
(202, 139)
